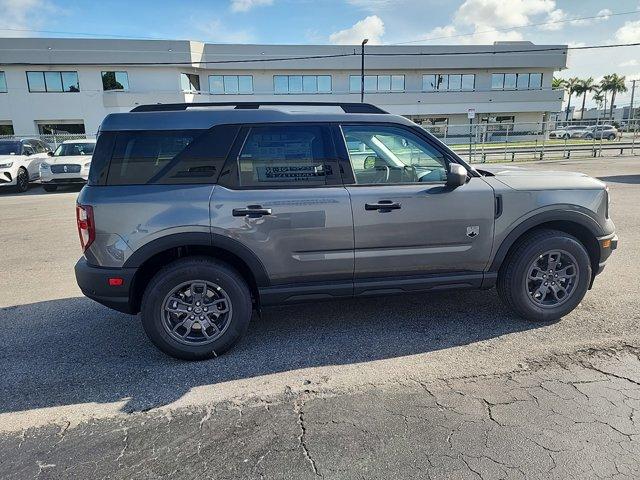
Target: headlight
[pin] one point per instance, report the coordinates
(44, 166)
(6, 165)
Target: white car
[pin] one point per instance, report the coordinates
(69, 164)
(20, 161)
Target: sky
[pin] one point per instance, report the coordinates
(420, 22)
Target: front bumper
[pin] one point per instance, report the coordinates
(608, 244)
(94, 283)
(47, 177)
(7, 177)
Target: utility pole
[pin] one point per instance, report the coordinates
(633, 91)
(364, 42)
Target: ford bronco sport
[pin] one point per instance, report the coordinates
(196, 214)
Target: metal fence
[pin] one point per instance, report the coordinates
(522, 141)
(503, 142)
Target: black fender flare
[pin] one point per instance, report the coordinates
(220, 242)
(574, 214)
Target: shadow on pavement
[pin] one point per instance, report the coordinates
(36, 189)
(71, 351)
(632, 179)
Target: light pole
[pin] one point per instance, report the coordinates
(364, 42)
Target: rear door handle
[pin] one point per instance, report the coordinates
(252, 211)
(383, 206)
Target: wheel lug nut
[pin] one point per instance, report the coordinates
(189, 308)
(546, 283)
(198, 304)
(192, 317)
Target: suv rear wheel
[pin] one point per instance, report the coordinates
(196, 308)
(546, 276)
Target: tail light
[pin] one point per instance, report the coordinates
(86, 226)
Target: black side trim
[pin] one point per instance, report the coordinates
(282, 294)
(582, 217)
(161, 244)
(205, 239)
(498, 210)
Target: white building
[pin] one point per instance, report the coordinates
(69, 85)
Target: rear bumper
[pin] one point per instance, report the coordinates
(94, 283)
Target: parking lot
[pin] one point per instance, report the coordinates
(430, 386)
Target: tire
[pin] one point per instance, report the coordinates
(518, 292)
(22, 180)
(611, 137)
(589, 137)
(232, 292)
(50, 188)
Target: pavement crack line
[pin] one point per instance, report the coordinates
(126, 445)
(297, 406)
(590, 366)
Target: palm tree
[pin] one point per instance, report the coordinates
(582, 88)
(614, 84)
(570, 86)
(558, 83)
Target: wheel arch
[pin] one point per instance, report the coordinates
(150, 258)
(576, 223)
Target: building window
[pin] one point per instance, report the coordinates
(377, 83)
(287, 84)
(3, 83)
(6, 128)
(231, 84)
(115, 81)
(53, 81)
(190, 82)
(437, 82)
(516, 81)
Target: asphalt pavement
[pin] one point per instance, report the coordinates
(446, 385)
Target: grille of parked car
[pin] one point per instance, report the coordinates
(64, 168)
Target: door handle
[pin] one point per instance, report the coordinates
(383, 206)
(252, 211)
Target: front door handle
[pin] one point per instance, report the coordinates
(383, 206)
(252, 211)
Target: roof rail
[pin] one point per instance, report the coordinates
(170, 107)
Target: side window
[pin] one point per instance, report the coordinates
(27, 149)
(170, 157)
(284, 155)
(382, 154)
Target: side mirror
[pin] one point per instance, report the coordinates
(456, 176)
(370, 162)
(50, 153)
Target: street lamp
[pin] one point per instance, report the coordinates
(364, 42)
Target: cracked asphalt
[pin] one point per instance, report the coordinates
(422, 386)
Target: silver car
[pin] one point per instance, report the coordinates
(196, 217)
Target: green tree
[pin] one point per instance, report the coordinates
(570, 86)
(613, 83)
(558, 83)
(582, 88)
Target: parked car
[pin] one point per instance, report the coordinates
(197, 217)
(568, 131)
(20, 161)
(69, 164)
(602, 131)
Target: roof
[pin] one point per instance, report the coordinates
(80, 140)
(207, 117)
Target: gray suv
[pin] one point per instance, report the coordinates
(194, 215)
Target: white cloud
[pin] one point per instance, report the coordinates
(498, 13)
(24, 15)
(371, 27)
(246, 5)
(214, 30)
(629, 32)
(629, 63)
(555, 17)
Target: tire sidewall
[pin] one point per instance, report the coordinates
(167, 279)
(22, 172)
(522, 302)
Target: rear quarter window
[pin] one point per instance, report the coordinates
(164, 157)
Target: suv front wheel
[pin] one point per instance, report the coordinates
(546, 276)
(196, 308)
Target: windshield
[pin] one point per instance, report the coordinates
(73, 149)
(8, 148)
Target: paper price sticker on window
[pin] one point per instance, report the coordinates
(471, 113)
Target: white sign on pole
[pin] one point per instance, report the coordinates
(471, 113)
